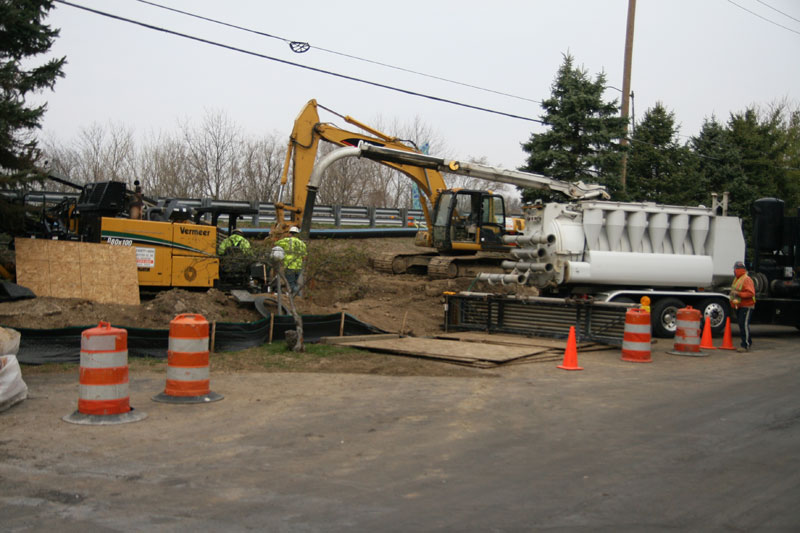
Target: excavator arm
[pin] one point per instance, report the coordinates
(302, 152)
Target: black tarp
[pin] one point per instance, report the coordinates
(10, 292)
(62, 345)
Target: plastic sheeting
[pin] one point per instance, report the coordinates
(62, 345)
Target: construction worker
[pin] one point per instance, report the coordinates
(235, 241)
(743, 300)
(295, 255)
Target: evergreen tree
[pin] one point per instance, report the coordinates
(23, 35)
(659, 168)
(750, 158)
(582, 142)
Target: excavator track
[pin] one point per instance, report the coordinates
(402, 262)
(437, 266)
(443, 267)
(465, 266)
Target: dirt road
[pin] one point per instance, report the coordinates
(682, 444)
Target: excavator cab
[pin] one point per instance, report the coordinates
(466, 221)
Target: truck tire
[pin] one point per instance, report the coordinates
(664, 317)
(717, 310)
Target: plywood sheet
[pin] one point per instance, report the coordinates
(446, 349)
(506, 338)
(66, 269)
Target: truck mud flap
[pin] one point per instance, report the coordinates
(535, 316)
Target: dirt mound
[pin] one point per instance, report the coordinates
(340, 279)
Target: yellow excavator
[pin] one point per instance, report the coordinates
(466, 230)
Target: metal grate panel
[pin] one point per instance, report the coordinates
(546, 317)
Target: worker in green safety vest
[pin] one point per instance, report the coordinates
(235, 241)
(293, 260)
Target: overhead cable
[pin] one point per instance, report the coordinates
(302, 47)
(763, 18)
(299, 65)
(778, 10)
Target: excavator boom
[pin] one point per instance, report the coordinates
(574, 191)
(302, 153)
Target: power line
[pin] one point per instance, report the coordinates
(299, 65)
(778, 10)
(302, 47)
(763, 18)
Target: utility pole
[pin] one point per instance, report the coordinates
(626, 84)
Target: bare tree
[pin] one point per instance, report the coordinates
(212, 154)
(261, 163)
(60, 160)
(105, 153)
(101, 153)
(165, 171)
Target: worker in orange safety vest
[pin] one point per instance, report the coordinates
(743, 300)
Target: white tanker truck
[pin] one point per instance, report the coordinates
(619, 252)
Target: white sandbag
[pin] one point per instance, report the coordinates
(9, 341)
(12, 389)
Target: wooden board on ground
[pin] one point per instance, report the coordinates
(475, 354)
(347, 339)
(68, 269)
(507, 338)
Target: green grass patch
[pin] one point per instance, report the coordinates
(278, 356)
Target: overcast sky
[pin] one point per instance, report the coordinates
(697, 57)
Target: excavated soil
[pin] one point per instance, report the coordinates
(340, 279)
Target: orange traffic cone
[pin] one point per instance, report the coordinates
(706, 342)
(571, 353)
(727, 339)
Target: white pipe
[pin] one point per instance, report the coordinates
(526, 265)
(503, 279)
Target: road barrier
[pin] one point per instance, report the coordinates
(188, 375)
(336, 215)
(687, 334)
(636, 336)
(103, 393)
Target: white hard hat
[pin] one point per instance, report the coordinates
(294, 229)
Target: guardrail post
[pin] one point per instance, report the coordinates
(337, 216)
(371, 217)
(403, 217)
(255, 204)
(206, 202)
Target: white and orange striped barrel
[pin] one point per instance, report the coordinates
(687, 334)
(636, 336)
(104, 371)
(187, 357)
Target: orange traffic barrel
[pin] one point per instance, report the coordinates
(103, 396)
(687, 333)
(188, 376)
(636, 336)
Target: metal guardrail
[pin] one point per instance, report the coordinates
(335, 215)
(546, 317)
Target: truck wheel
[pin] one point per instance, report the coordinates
(717, 310)
(664, 317)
